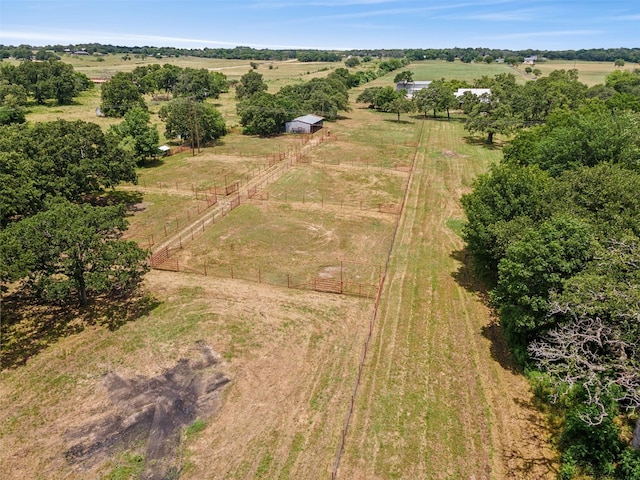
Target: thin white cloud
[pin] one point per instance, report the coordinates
(513, 16)
(618, 18)
(318, 3)
(8, 36)
(555, 33)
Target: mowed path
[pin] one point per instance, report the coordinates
(438, 398)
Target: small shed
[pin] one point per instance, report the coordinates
(164, 150)
(305, 124)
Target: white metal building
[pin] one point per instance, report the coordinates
(412, 87)
(305, 124)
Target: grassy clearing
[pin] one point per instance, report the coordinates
(437, 69)
(158, 215)
(434, 403)
(299, 331)
(281, 241)
(353, 187)
(589, 73)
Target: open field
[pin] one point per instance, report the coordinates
(438, 398)
(281, 74)
(589, 73)
(437, 69)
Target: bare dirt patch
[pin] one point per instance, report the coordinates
(151, 411)
(451, 153)
(289, 353)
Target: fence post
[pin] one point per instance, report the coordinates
(231, 272)
(259, 276)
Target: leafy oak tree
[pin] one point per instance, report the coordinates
(137, 135)
(263, 114)
(196, 122)
(73, 160)
(120, 94)
(72, 250)
(250, 83)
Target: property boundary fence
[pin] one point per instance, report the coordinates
(372, 321)
(254, 194)
(165, 259)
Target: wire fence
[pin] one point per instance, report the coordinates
(372, 321)
(193, 221)
(350, 278)
(166, 259)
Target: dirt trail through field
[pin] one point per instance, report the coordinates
(439, 398)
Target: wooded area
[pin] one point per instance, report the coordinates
(555, 230)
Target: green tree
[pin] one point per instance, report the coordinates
(167, 77)
(263, 114)
(352, 62)
(437, 97)
(13, 98)
(320, 96)
(200, 84)
(48, 159)
(534, 266)
(406, 76)
(490, 115)
(137, 135)
(72, 250)
(250, 83)
(195, 122)
(385, 96)
(120, 94)
(502, 204)
(398, 105)
(619, 62)
(574, 138)
(369, 95)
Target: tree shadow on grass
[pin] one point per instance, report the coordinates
(154, 163)
(482, 142)
(469, 280)
(126, 197)
(401, 122)
(30, 325)
(439, 118)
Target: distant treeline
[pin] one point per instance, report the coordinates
(309, 55)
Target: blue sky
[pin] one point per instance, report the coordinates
(325, 24)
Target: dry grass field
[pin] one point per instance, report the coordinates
(589, 73)
(438, 398)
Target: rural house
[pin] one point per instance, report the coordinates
(412, 87)
(305, 124)
(478, 92)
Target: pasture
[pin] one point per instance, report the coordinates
(436, 394)
(589, 73)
